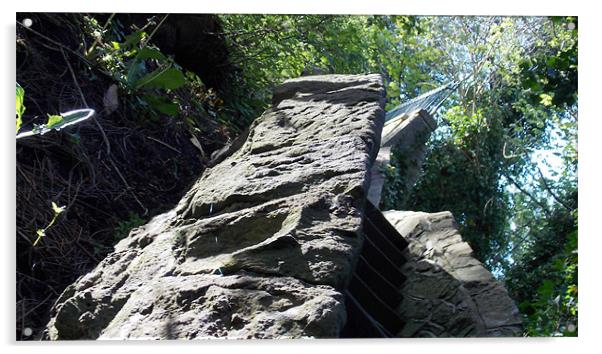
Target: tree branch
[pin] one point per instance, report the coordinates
(531, 196)
(554, 195)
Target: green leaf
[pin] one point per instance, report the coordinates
(546, 99)
(150, 53)
(134, 39)
(20, 107)
(169, 79)
(54, 121)
(546, 289)
(57, 209)
(162, 104)
(135, 72)
(137, 68)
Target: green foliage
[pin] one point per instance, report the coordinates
(504, 159)
(54, 121)
(161, 104)
(552, 71)
(517, 99)
(549, 291)
(20, 106)
(124, 227)
(394, 194)
(461, 175)
(167, 79)
(272, 48)
(141, 69)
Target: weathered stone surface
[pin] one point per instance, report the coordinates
(237, 306)
(462, 297)
(264, 242)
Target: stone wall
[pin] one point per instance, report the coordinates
(265, 242)
(448, 293)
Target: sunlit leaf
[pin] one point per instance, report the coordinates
(136, 70)
(57, 209)
(20, 94)
(170, 79)
(54, 121)
(150, 53)
(546, 99)
(134, 39)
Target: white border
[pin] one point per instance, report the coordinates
(590, 177)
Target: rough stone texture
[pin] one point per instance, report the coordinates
(263, 244)
(407, 133)
(448, 293)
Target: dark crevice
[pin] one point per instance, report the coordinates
(373, 295)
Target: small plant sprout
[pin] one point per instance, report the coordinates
(56, 121)
(42, 232)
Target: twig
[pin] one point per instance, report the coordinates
(198, 145)
(164, 144)
(545, 183)
(86, 252)
(127, 185)
(29, 182)
(24, 315)
(489, 201)
(504, 152)
(98, 39)
(56, 43)
(74, 198)
(23, 236)
(531, 196)
(38, 281)
(154, 30)
(92, 257)
(104, 135)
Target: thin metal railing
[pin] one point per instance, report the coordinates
(429, 101)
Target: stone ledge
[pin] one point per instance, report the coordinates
(442, 270)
